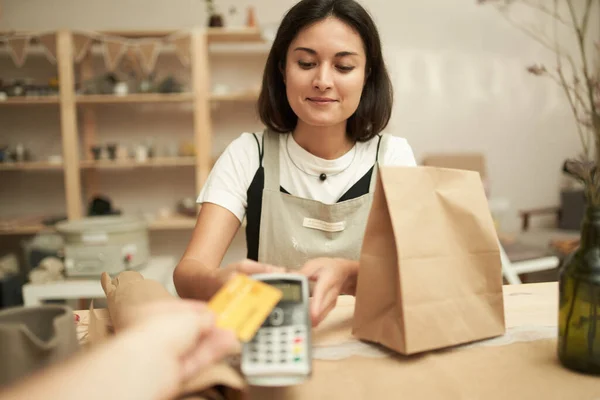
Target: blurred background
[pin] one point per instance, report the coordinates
(121, 107)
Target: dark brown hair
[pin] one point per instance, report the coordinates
(375, 107)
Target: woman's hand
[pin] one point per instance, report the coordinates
(333, 276)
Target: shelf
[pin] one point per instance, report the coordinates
(31, 166)
(242, 96)
(161, 224)
(135, 98)
(23, 226)
(230, 35)
(133, 34)
(23, 230)
(79, 122)
(30, 100)
(235, 49)
(172, 223)
(150, 163)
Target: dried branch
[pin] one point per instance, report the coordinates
(210, 7)
(580, 31)
(582, 84)
(554, 47)
(565, 87)
(552, 13)
(586, 17)
(572, 89)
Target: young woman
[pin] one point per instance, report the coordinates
(305, 185)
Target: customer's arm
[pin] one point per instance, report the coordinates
(149, 360)
(198, 274)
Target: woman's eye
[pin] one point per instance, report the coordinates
(345, 68)
(305, 65)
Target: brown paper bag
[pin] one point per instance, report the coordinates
(430, 272)
(32, 338)
(130, 289)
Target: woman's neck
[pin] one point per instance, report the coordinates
(327, 142)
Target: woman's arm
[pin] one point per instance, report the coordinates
(196, 274)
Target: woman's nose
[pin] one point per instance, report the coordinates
(323, 79)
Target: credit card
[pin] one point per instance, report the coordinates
(243, 304)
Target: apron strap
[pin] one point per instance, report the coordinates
(271, 160)
(381, 149)
(260, 148)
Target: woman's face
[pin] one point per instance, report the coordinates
(325, 73)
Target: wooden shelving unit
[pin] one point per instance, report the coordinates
(175, 222)
(30, 100)
(135, 98)
(159, 162)
(31, 166)
(242, 96)
(79, 123)
(172, 223)
(22, 226)
(23, 230)
(241, 35)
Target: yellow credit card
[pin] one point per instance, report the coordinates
(243, 304)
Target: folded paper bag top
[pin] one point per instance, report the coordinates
(127, 290)
(34, 337)
(430, 272)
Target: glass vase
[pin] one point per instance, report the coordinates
(579, 301)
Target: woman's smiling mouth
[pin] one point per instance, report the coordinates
(321, 100)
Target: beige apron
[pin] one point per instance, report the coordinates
(294, 230)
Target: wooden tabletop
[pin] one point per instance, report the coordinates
(526, 368)
(525, 305)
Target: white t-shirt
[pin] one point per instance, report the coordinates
(229, 180)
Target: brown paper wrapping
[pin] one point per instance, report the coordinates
(520, 371)
(430, 273)
(130, 290)
(32, 338)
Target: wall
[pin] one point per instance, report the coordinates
(458, 69)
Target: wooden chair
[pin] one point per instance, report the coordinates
(520, 258)
(511, 270)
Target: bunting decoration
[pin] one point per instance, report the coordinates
(113, 52)
(81, 45)
(48, 42)
(17, 47)
(131, 57)
(148, 53)
(182, 49)
(139, 52)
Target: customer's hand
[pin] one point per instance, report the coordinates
(163, 346)
(181, 337)
(333, 276)
(182, 332)
(247, 267)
